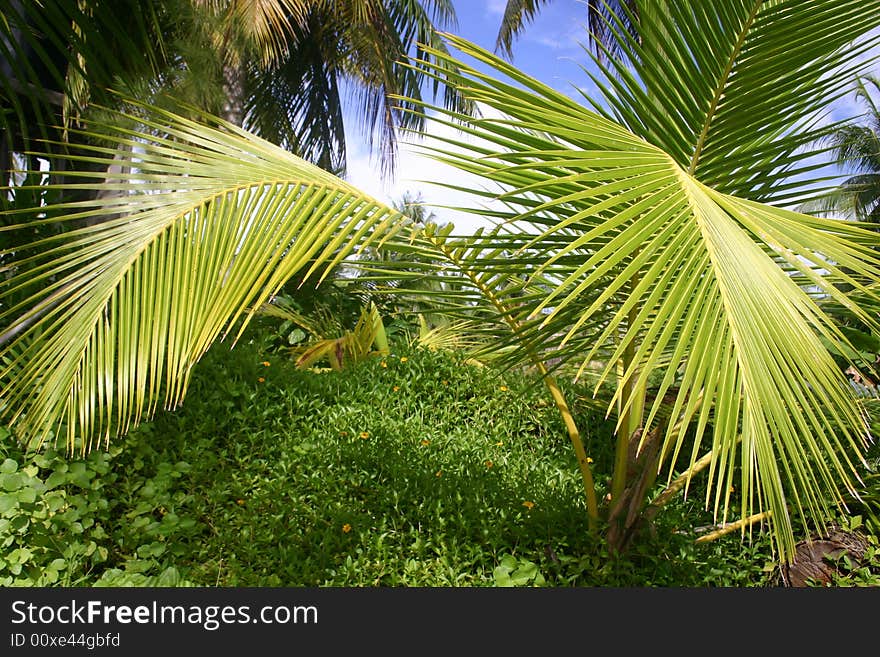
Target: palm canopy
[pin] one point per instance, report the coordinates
(651, 220)
(355, 47)
(602, 15)
(665, 188)
(283, 69)
(856, 147)
(56, 55)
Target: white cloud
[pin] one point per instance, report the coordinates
(571, 38)
(420, 174)
(496, 7)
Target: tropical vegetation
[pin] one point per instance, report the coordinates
(856, 147)
(602, 16)
(645, 243)
(425, 472)
(280, 68)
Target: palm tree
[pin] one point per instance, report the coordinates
(285, 79)
(56, 56)
(280, 68)
(656, 218)
(856, 147)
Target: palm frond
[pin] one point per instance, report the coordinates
(267, 24)
(487, 307)
(350, 347)
(376, 39)
(517, 13)
(55, 57)
(733, 92)
(207, 226)
(657, 214)
(601, 16)
(297, 104)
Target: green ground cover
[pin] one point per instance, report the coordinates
(411, 470)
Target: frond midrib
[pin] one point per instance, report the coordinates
(719, 89)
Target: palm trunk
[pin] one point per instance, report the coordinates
(636, 455)
(575, 436)
(5, 158)
(116, 173)
(233, 92)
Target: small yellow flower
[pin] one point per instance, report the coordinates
(343, 433)
(239, 502)
(403, 359)
(395, 388)
(438, 473)
(346, 528)
(500, 443)
(445, 382)
(589, 460)
(732, 489)
(528, 505)
(261, 380)
(489, 464)
(426, 442)
(365, 434)
(266, 363)
(383, 364)
(503, 388)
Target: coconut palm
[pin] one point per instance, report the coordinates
(55, 56)
(655, 219)
(280, 68)
(285, 81)
(856, 147)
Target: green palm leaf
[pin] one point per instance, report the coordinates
(659, 211)
(207, 226)
(732, 91)
(468, 281)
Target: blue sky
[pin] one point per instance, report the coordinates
(549, 49)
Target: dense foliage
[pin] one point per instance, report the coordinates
(656, 249)
(416, 469)
(411, 470)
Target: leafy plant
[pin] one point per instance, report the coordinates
(167, 578)
(657, 216)
(350, 347)
(513, 571)
(670, 254)
(856, 147)
(52, 527)
(865, 572)
(61, 520)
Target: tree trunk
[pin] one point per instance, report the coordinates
(814, 558)
(5, 157)
(116, 173)
(626, 513)
(233, 91)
